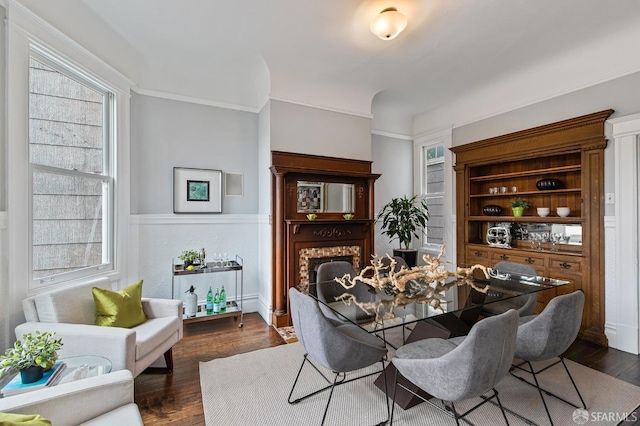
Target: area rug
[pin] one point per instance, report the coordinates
(288, 334)
(252, 389)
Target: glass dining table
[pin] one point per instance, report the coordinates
(440, 309)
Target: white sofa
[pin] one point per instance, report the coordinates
(70, 312)
(105, 400)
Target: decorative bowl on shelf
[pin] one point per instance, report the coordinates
(492, 210)
(348, 216)
(563, 211)
(312, 216)
(547, 184)
(543, 211)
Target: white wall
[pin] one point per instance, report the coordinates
(264, 227)
(393, 159)
(168, 133)
(4, 300)
(307, 130)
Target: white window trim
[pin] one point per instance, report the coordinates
(51, 60)
(25, 28)
(438, 137)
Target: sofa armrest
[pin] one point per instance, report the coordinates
(114, 343)
(158, 308)
(76, 402)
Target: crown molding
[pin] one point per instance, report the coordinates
(326, 108)
(194, 100)
(392, 135)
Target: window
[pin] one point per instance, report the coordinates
(71, 168)
(433, 189)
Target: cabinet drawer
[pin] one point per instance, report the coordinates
(477, 255)
(536, 262)
(568, 265)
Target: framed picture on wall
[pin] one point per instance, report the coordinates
(197, 190)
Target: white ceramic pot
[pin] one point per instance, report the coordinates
(563, 211)
(543, 211)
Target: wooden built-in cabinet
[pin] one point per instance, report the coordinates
(571, 151)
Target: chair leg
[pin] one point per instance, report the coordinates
(573, 383)
(304, 359)
(393, 401)
(333, 386)
(535, 378)
(168, 359)
(386, 394)
(455, 413)
(504, 414)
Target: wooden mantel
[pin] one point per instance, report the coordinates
(294, 235)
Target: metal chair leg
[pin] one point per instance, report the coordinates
(573, 383)
(504, 414)
(393, 401)
(333, 386)
(535, 378)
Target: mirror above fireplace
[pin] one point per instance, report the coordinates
(325, 197)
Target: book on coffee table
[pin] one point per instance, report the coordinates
(50, 378)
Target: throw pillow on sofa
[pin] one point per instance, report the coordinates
(119, 308)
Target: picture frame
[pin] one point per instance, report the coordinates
(197, 190)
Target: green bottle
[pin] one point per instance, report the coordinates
(210, 302)
(216, 302)
(223, 300)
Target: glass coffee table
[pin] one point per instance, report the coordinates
(84, 366)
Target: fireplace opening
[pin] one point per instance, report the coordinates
(315, 263)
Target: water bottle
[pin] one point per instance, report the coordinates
(191, 303)
(223, 300)
(216, 302)
(210, 302)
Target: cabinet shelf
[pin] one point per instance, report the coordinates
(526, 219)
(549, 170)
(521, 193)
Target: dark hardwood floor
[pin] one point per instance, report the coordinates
(175, 398)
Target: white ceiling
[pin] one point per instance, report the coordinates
(322, 53)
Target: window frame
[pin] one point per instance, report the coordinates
(421, 143)
(106, 177)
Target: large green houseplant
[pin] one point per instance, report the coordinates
(402, 219)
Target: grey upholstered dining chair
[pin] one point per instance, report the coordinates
(546, 336)
(464, 369)
(327, 290)
(525, 304)
(341, 348)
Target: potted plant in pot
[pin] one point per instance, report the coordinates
(402, 219)
(189, 257)
(31, 355)
(518, 206)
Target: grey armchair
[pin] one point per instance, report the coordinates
(340, 348)
(327, 290)
(546, 336)
(525, 304)
(462, 370)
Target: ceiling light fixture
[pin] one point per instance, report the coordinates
(388, 24)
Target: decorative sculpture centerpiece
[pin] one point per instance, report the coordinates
(422, 283)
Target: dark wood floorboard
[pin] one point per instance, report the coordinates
(175, 398)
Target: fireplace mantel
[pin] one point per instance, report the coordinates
(296, 239)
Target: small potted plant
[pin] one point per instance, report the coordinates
(402, 219)
(32, 355)
(518, 206)
(189, 257)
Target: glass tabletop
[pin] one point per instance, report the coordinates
(81, 367)
(421, 298)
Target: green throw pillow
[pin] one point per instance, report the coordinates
(119, 308)
(10, 419)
